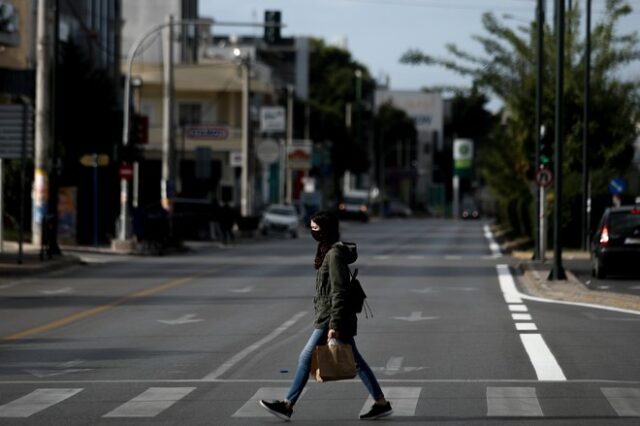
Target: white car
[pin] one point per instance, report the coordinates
(280, 218)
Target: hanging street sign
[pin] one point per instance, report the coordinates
(273, 119)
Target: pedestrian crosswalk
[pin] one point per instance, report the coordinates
(408, 401)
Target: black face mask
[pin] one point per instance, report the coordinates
(318, 235)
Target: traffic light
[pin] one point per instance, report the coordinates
(140, 129)
(546, 148)
(272, 26)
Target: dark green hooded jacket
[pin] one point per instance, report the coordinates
(332, 279)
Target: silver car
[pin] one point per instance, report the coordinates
(281, 219)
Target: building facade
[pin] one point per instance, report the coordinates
(426, 109)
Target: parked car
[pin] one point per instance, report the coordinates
(396, 208)
(280, 218)
(354, 207)
(615, 247)
(469, 210)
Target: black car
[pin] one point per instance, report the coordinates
(615, 247)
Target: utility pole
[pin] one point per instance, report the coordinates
(168, 136)
(586, 196)
(43, 125)
(245, 205)
(289, 143)
(557, 271)
(538, 253)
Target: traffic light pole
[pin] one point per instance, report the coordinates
(557, 271)
(538, 253)
(586, 198)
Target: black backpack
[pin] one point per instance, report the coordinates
(357, 296)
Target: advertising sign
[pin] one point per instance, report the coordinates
(462, 157)
(273, 119)
(299, 155)
(210, 132)
(67, 213)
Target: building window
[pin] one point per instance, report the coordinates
(189, 114)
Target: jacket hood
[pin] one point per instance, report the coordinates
(348, 251)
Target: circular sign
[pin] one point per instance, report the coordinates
(268, 151)
(544, 177)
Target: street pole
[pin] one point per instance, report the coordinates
(538, 253)
(244, 179)
(168, 140)
(42, 125)
(586, 225)
(289, 143)
(557, 271)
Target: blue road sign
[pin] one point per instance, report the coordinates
(617, 186)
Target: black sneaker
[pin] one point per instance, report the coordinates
(278, 408)
(377, 411)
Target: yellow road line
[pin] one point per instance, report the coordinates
(98, 309)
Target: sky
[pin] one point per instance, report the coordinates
(378, 32)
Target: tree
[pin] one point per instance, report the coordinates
(332, 71)
(507, 70)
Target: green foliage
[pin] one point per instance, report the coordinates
(508, 70)
(332, 74)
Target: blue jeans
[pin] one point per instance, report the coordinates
(319, 336)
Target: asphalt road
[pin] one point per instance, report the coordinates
(196, 339)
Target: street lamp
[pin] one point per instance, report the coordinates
(245, 65)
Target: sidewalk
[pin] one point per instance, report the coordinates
(535, 282)
(31, 263)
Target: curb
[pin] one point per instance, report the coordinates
(41, 267)
(534, 282)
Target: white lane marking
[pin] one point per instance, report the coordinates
(405, 400)
(185, 319)
(379, 257)
(60, 369)
(36, 401)
(453, 257)
(507, 285)
(521, 317)
(394, 366)
(526, 326)
(415, 316)
(248, 289)
(417, 257)
(229, 364)
(150, 403)
(252, 408)
(493, 246)
(626, 401)
(512, 402)
(57, 291)
(518, 308)
(544, 363)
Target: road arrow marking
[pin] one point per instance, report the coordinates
(242, 290)
(394, 366)
(58, 291)
(415, 316)
(185, 319)
(64, 368)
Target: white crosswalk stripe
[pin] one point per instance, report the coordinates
(512, 402)
(404, 400)
(151, 402)
(626, 401)
(36, 401)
